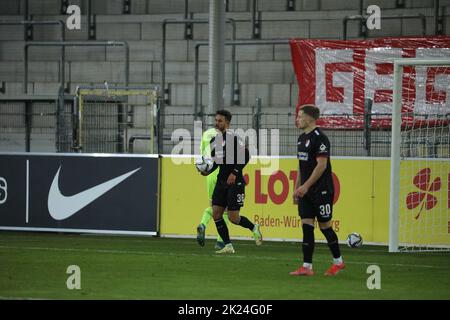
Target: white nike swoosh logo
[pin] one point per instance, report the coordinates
(61, 207)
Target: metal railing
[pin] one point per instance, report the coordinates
(371, 138)
(137, 137)
(27, 23)
(164, 91)
(438, 19)
(164, 38)
(27, 121)
(36, 120)
(234, 83)
(74, 44)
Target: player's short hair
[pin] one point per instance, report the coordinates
(225, 113)
(311, 111)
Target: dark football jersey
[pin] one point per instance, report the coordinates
(230, 154)
(310, 146)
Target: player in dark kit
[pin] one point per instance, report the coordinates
(314, 190)
(231, 155)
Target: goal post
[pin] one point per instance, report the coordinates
(419, 209)
(111, 119)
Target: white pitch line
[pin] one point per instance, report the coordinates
(243, 242)
(234, 256)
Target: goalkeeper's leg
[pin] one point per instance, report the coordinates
(208, 213)
(206, 218)
(201, 228)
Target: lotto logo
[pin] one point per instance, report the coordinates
(287, 182)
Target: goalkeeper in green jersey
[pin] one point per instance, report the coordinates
(211, 179)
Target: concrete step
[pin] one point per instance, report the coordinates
(45, 71)
(51, 88)
(248, 72)
(14, 51)
(176, 50)
(276, 24)
(115, 7)
(150, 50)
(275, 95)
(243, 52)
(110, 71)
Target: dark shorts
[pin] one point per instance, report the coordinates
(231, 197)
(316, 205)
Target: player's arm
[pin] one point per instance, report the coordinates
(213, 154)
(241, 150)
(297, 185)
(315, 175)
(238, 165)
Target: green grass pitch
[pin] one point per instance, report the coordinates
(34, 265)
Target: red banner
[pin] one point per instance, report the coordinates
(338, 76)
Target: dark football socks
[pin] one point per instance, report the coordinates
(222, 229)
(244, 222)
(332, 240)
(308, 243)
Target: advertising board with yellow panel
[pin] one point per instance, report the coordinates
(361, 201)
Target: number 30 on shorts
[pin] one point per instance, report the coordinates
(240, 197)
(325, 209)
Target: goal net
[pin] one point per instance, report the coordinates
(420, 156)
(116, 120)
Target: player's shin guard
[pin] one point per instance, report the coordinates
(244, 222)
(308, 242)
(222, 229)
(332, 240)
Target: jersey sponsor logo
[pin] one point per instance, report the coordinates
(303, 156)
(307, 143)
(322, 147)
